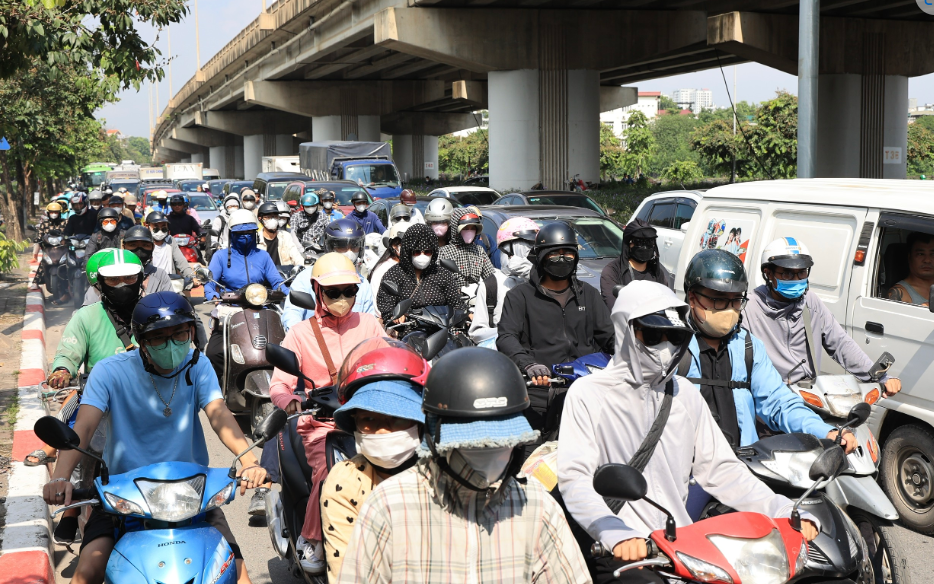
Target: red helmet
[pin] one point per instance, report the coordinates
(379, 358)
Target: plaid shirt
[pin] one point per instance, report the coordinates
(421, 527)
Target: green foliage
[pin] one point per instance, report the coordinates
(133, 148)
(138, 149)
(611, 152)
(639, 143)
(8, 250)
(668, 104)
(97, 35)
(921, 146)
(683, 171)
(460, 156)
(673, 142)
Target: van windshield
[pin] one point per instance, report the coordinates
(372, 175)
(274, 190)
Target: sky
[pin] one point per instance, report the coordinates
(221, 20)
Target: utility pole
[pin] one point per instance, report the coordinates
(150, 111)
(170, 64)
(735, 101)
(808, 52)
(197, 38)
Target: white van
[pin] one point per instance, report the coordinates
(857, 232)
(669, 212)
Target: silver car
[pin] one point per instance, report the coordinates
(204, 204)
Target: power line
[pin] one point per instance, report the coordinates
(767, 171)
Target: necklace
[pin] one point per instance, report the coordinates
(167, 411)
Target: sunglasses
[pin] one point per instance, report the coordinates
(335, 293)
(426, 252)
(654, 336)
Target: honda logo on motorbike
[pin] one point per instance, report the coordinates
(489, 402)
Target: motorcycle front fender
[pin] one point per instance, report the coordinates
(198, 554)
(276, 520)
(863, 493)
(257, 383)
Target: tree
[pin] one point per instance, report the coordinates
(668, 104)
(639, 143)
(138, 150)
(97, 35)
(462, 155)
(921, 147)
(673, 142)
(611, 152)
(684, 171)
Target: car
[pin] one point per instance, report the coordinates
(599, 238)
(482, 180)
(204, 204)
(217, 186)
(670, 213)
(382, 206)
(468, 195)
(561, 198)
(343, 190)
(270, 185)
(189, 185)
(236, 187)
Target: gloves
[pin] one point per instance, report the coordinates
(537, 370)
(59, 378)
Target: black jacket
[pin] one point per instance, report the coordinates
(102, 240)
(82, 224)
(183, 224)
(535, 329)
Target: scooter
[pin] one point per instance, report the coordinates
(740, 547)
(249, 319)
(76, 260)
(189, 246)
(160, 508)
(55, 255)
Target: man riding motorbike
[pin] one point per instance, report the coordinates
(785, 315)
(219, 224)
(367, 219)
(108, 235)
(278, 244)
(116, 203)
(438, 217)
(638, 260)
(83, 221)
(53, 223)
(180, 221)
(407, 198)
(328, 198)
(319, 343)
(166, 254)
(309, 224)
(123, 388)
(138, 239)
(96, 200)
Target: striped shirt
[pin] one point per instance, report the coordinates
(415, 529)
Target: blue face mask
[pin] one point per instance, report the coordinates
(243, 243)
(791, 289)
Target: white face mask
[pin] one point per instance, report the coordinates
(53, 216)
(489, 462)
(328, 205)
(109, 228)
(421, 261)
(271, 224)
(517, 266)
(656, 361)
(96, 205)
(283, 223)
(360, 208)
(118, 209)
(248, 205)
(232, 208)
(159, 235)
(311, 210)
(468, 235)
(350, 255)
(388, 450)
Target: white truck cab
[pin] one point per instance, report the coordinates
(857, 231)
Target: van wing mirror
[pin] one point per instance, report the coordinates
(882, 364)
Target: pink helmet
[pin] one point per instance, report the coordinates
(516, 228)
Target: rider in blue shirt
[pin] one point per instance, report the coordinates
(363, 216)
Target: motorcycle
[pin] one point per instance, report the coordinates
(189, 246)
(739, 547)
(55, 255)
(249, 319)
(160, 508)
(76, 260)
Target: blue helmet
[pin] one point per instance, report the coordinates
(343, 234)
(161, 310)
(309, 199)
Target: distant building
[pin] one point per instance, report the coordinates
(647, 104)
(116, 133)
(916, 111)
(697, 100)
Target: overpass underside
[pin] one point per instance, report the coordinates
(545, 69)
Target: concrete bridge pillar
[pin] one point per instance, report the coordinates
(416, 156)
(198, 157)
(256, 146)
(345, 127)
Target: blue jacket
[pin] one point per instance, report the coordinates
(255, 268)
(292, 315)
(769, 398)
(334, 214)
(369, 222)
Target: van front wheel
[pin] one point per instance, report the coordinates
(908, 476)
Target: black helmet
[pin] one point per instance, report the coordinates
(716, 269)
(474, 383)
(325, 195)
(115, 199)
(107, 213)
(556, 234)
(138, 233)
(156, 217)
(268, 208)
(359, 197)
(161, 310)
(177, 200)
(343, 234)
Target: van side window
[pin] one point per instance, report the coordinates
(663, 215)
(683, 215)
(906, 262)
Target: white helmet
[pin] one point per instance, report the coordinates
(395, 231)
(787, 252)
(241, 219)
(439, 209)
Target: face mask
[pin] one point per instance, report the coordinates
(232, 208)
(643, 250)
(170, 356)
(340, 307)
(388, 450)
(656, 361)
(109, 227)
(559, 268)
(248, 205)
(491, 463)
(311, 210)
(123, 294)
(95, 206)
(468, 235)
(360, 208)
(144, 255)
(715, 324)
(271, 224)
(243, 243)
(53, 216)
(791, 289)
(282, 223)
(440, 229)
(328, 205)
(159, 235)
(421, 262)
(118, 209)
(517, 266)
(350, 255)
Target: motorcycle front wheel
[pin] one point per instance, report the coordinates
(886, 550)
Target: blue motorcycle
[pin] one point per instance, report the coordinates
(161, 507)
(585, 365)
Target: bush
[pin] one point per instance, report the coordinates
(8, 250)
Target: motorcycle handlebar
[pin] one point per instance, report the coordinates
(83, 494)
(555, 380)
(598, 550)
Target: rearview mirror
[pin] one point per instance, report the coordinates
(858, 415)
(390, 287)
(449, 265)
(616, 290)
(620, 481)
(271, 425)
(882, 364)
(204, 274)
(434, 344)
(56, 433)
(829, 464)
(302, 299)
(401, 309)
(283, 359)
(684, 227)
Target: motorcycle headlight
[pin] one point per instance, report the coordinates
(54, 240)
(220, 497)
(802, 558)
(793, 466)
(256, 294)
(762, 560)
(122, 506)
(704, 571)
(175, 500)
(841, 404)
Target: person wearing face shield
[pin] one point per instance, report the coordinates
(514, 239)
(438, 216)
(166, 254)
(336, 286)
(309, 223)
(419, 276)
(784, 313)
(345, 238)
(279, 245)
(108, 233)
(464, 248)
(367, 219)
(473, 519)
(552, 318)
(638, 260)
(637, 388)
(219, 225)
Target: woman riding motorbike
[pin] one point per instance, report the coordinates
(392, 241)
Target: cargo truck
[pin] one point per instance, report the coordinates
(369, 164)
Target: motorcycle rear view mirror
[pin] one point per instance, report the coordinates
(620, 481)
(204, 274)
(271, 425)
(882, 364)
(390, 288)
(449, 265)
(57, 434)
(434, 344)
(858, 415)
(302, 299)
(283, 359)
(616, 290)
(401, 309)
(828, 465)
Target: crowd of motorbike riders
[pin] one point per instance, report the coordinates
(435, 492)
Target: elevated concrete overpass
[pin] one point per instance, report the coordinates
(545, 69)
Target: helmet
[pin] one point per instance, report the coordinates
(178, 199)
(79, 198)
(716, 269)
(138, 233)
(399, 212)
(229, 198)
(268, 208)
(334, 269)
(787, 252)
(130, 199)
(206, 187)
(160, 195)
(243, 220)
(121, 190)
(516, 228)
(343, 233)
(161, 310)
(108, 213)
(474, 383)
(554, 235)
(247, 195)
(407, 197)
(282, 207)
(156, 217)
(112, 262)
(327, 196)
(95, 195)
(53, 207)
(379, 358)
(439, 209)
(115, 200)
(309, 200)
(359, 197)
(395, 232)
(469, 219)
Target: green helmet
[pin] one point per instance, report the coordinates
(112, 262)
(716, 269)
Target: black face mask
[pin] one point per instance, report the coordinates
(559, 268)
(643, 250)
(144, 255)
(122, 299)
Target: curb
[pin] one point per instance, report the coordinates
(25, 555)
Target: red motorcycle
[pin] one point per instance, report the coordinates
(735, 548)
(189, 246)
